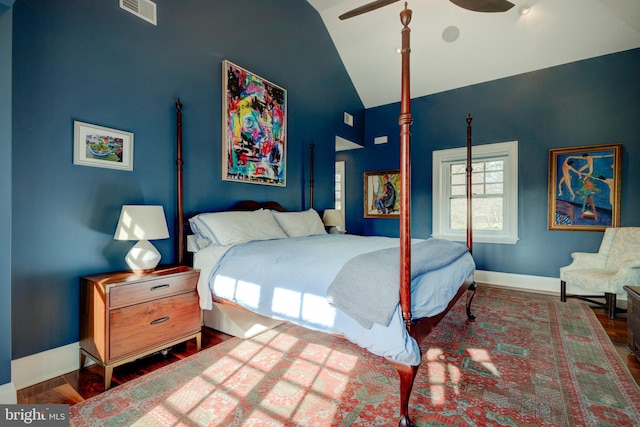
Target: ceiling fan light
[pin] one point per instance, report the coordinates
(524, 9)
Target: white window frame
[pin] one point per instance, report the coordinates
(340, 170)
(441, 177)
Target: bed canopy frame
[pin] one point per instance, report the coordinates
(417, 328)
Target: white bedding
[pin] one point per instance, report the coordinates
(299, 296)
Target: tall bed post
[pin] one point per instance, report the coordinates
(179, 164)
(407, 373)
(405, 121)
(422, 327)
(469, 171)
(311, 172)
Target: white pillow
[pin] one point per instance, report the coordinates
(196, 243)
(300, 224)
(233, 227)
(192, 243)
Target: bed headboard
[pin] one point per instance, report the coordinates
(252, 205)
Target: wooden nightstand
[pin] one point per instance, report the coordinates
(125, 316)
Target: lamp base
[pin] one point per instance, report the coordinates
(143, 257)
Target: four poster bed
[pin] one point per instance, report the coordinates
(284, 266)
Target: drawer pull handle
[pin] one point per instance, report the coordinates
(160, 320)
(155, 288)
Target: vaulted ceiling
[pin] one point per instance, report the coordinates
(453, 47)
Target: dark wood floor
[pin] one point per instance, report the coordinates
(77, 386)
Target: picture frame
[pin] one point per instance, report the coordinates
(254, 128)
(584, 187)
(102, 147)
(382, 194)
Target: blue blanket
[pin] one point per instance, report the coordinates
(367, 286)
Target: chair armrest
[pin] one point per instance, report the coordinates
(586, 260)
(628, 273)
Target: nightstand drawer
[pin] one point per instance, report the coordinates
(152, 289)
(138, 327)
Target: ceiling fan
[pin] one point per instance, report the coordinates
(489, 6)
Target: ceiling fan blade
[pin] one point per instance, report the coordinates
(484, 5)
(366, 8)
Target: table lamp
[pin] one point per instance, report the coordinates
(333, 219)
(142, 223)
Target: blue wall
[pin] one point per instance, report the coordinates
(6, 23)
(4, 6)
(94, 62)
(589, 102)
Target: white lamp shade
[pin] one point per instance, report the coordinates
(332, 218)
(141, 222)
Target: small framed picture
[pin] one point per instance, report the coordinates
(382, 194)
(102, 147)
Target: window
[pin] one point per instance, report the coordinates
(340, 190)
(494, 183)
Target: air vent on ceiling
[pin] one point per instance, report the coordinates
(145, 9)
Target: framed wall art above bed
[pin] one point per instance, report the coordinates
(584, 187)
(254, 131)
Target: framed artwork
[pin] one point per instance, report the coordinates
(584, 187)
(382, 194)
(254, 130)
(102, 147)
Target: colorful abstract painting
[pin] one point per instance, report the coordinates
(254, 140)
(584, 187)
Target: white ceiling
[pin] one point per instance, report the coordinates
(490, 46)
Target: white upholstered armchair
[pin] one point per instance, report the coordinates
(616, 264)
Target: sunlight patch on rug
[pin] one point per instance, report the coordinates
(277, 374)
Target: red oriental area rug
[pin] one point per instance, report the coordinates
(528, 360)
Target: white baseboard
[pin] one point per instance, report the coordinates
(49, 364)
(547, 285)
(540, 284)
(43, 366)
(8, 394)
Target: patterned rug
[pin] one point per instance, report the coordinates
(529, 360)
